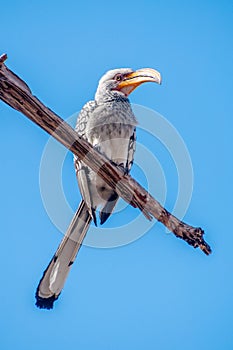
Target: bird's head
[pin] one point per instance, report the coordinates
(122, 81)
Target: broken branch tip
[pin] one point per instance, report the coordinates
(3, 58)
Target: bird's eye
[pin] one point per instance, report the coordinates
(118, 77)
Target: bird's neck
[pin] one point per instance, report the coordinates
(110, 97)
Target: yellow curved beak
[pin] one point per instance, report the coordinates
(132, 80)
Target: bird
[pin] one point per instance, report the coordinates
(109, 125)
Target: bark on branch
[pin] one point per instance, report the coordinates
(15, 92)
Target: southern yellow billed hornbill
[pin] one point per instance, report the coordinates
(109, 124)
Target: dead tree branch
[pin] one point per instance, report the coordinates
(15, 92)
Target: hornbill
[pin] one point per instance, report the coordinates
(108, 123)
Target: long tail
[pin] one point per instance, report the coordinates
(54, 277)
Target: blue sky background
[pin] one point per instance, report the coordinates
(156, 293)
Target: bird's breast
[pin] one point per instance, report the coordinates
(113, 141)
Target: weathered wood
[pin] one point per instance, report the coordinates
(15, 92)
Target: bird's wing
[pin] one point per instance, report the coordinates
(108, 208)
(83, 118)
(82, 171)
(131, 151)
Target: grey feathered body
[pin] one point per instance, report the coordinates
(109, 125)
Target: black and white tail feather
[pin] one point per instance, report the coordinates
(54, 277)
